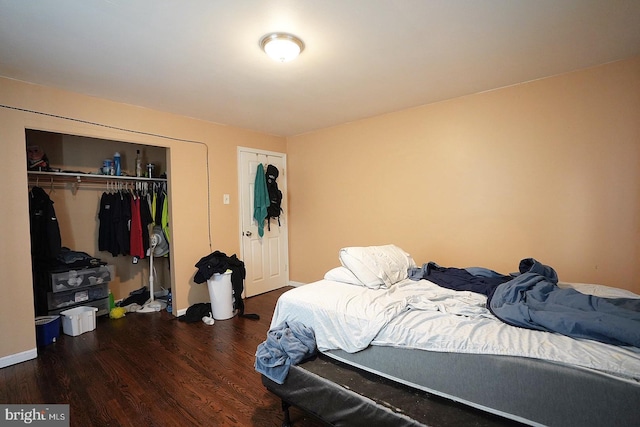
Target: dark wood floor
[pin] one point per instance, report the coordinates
(153, 370)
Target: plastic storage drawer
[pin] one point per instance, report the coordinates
(57, 300)
(82, 278)
(101, 304)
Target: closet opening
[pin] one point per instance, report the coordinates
(101, 251)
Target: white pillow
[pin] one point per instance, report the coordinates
(342, 275)
(377, 266)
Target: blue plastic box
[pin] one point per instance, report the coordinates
(47, 330)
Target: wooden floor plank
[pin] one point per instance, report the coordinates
(149, 369)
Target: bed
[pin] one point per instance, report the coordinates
(369, 316)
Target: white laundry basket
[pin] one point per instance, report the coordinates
(221, 295)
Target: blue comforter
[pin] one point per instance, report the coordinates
(533, 300)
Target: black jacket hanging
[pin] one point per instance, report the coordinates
(45, 230)
(45, 245)
(105, 230)
(147, 219)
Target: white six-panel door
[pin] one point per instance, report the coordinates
(266, 258)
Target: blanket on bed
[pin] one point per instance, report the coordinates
(533, 300)
(287, 344)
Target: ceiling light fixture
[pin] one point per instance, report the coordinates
(281, 47)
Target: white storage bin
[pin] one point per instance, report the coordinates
(221, 296)
(78, 320)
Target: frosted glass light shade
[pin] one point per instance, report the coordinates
(281, 47)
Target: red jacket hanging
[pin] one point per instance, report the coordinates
(135, 236)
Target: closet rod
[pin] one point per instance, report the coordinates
(76, 178)
(79, 177)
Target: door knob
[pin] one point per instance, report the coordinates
(248, 233)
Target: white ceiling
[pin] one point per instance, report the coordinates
(200, 58)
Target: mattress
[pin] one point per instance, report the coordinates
(447, 343)
(422, 315)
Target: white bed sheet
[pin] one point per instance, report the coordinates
(423, 315)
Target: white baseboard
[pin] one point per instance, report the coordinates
(181, 312)
(295, 284)
(18, 358)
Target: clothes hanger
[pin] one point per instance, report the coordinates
(37, 184)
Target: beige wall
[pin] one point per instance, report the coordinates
(202, 160)
(549, 169)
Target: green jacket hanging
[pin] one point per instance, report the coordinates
(260, 199)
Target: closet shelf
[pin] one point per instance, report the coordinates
(79, 177)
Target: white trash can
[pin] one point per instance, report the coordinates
(221, 295)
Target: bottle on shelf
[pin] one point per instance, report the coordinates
(116, 164)
(138, 164)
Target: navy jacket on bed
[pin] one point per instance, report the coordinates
(476, 279)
